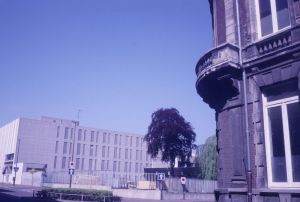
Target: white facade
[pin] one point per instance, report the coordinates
(48, 143)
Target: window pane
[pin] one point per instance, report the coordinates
(294, 128)
(277, 145)
(265, 17)
(282, 13)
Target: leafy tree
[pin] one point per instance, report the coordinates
(206, 159)
(170, 135)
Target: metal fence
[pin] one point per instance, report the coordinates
(128, 181)
(192, 185)
(98, 178)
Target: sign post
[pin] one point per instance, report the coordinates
(15, 176)
(184, 189)
(71, 172)
(160, 177)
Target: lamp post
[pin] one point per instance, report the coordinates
(71, 163)
(16, 168)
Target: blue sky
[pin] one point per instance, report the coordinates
(116, 60)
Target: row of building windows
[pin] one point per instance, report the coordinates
(93, 151)
(92, 165)
(94, 137)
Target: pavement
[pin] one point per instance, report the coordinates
(10, 193)
(22, 193)
(148, 200)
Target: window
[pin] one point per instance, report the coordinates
(107, 152)
(272, 16)
(84, 135)
(102, 165)
(70, 148)
(91, 150)
(65, 147)
(92, 136)
(55, 160)
(63, 163)
(137, 142)
(66, 132)
(79, 134)
(95, 164)
(56, 147)
(57, 132)
(131, 141)
(77, 164)
(126, 141)
(71, 136)
(82, 164)
(116, 139)
(282, 129)
(104, 138)
(125, 167)
(115, 166)
(78, 149)
(83, 149)
(137, 155)
(126, 153)
(97, 136)
(115, 152)
(103, 151)
(120, 141)
(90, 164)
(119, 166)
(129, 167)
(120, 151)
(96, 151)
(130, 154)
(107, 164)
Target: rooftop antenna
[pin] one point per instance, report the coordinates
(78, 115)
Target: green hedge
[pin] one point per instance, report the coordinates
(67, 194)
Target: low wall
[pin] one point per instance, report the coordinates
(136, 193)
(77, 186)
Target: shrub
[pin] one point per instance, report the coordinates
(77, 194)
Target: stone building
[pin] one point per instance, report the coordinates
(251, 78)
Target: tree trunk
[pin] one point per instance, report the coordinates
(172, 165)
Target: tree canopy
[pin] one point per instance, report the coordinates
(170, 135)
(206, 159)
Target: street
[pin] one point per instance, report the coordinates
(21, 193)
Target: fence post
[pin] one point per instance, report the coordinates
(81, 197)
(60, 196)
(104, 198)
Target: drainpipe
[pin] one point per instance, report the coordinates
(249, 172)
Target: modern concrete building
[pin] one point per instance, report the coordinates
(251, 78)
(51, 143)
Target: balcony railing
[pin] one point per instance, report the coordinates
(277, 43)
(218, 58)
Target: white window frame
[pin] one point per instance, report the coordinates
(283, 104)
(274, 19)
